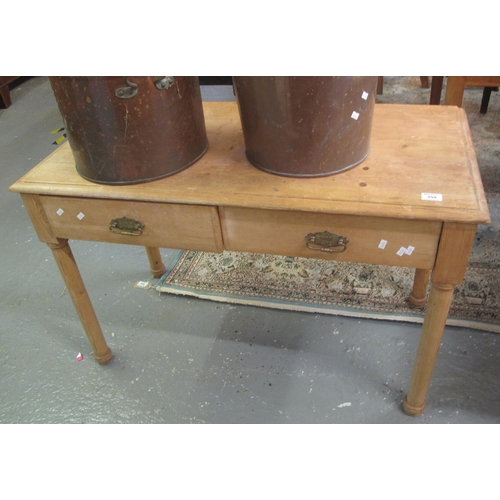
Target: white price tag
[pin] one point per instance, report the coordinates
(409, 250)
(143, 285)
(382, 244)
(355, 115)
(364, 95)
(402, 251)
(80, 216)
(60, 212)
(432, 197)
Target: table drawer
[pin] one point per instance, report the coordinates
(371, 240)
(190, 227)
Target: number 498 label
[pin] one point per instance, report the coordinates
(432, 196)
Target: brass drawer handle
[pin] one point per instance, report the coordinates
(126, 226)
(326, 242)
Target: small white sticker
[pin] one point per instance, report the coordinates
(382, 244)
(143, 285)
(432, 196)
(355, 115)
(80, 216)
(409, 250)
(364, 95)
(401, 251)
(60, 212)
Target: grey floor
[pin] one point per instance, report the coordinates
(183, 360)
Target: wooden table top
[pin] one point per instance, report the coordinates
(415, 149)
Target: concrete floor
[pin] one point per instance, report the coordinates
(183, 360)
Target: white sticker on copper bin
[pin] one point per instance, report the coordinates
(355, 115)
(60, 212)
(364, 95)
(382, 244)
(409, 250)
(401, 251)
(80, 216)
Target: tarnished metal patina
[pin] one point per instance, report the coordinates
(306, 126)
(126, 130)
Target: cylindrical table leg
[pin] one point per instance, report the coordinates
(156, 265)
(418, 295)
(76, 289)
(440, 300)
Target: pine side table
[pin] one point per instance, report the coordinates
(415, 202)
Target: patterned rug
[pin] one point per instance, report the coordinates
(358, 290)
(320, 286)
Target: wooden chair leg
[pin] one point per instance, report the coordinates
(436, 89)
(380, 85)
(455, 86)
(424, 81)
(486, 99)
(5, 95)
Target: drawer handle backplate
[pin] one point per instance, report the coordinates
(326, 242)
(126, 226)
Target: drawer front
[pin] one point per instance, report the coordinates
(371, 240)
(189, 227)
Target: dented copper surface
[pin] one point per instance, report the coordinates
(306, 126)
(126, 130)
